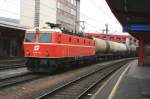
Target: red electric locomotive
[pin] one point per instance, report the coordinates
(46, 49)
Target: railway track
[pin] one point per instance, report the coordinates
(78, 88)
(11, 66)
(12, 81)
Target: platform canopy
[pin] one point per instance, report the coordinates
(134, 15)
(11, 26)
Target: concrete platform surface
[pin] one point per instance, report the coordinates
(12, 72)
(134, 83)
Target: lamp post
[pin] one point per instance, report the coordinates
(106, 25)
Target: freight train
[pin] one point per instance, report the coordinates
(46, 50)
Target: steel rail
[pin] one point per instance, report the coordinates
(8, 82)
(80, 78)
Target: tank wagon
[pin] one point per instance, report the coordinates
(46, 50)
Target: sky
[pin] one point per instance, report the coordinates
(10, 8)
(95, 13)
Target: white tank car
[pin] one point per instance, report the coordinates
(105, 46)
(101, 45)
(117, 47)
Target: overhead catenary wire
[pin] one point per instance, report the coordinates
(45, 5)
(101, 9)
(47, 15)
(98, 7)
(82, 14)
(96, 28)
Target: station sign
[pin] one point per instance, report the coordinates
(137, 28)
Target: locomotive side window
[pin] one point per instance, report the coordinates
(44, 38)
(69, 39)
(59, 38)
(93, 43)
(84, 41)
(78, 40)
(30, 37)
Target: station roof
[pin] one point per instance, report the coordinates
(134, 15)
(11, 26)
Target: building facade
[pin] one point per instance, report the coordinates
(35, 13)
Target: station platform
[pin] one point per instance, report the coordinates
(130, 82)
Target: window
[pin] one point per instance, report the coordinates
(89, 42)
(124, 40)
(84, 41)
(74, 2)
(66, 8)
(69, 39)
(94, 43)
(59, 38)
(111, 38)
(44, 38)
(65, 19)
(30, 37)
(78, 40)
(118, 40)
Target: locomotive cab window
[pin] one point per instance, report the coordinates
(44, 38)
(30, 37)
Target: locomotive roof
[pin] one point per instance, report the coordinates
(45, 30)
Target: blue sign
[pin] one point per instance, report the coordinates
(137, 28)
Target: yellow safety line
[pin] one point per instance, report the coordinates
(111, 95)
(105, 83)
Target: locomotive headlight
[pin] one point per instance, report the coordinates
(46, 54)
